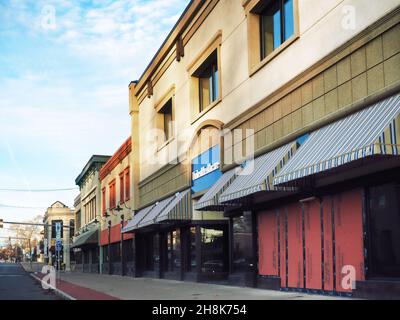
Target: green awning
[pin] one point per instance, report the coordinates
(88, 238)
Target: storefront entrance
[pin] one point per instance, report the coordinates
(383, 221)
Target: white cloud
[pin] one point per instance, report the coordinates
(64, 92)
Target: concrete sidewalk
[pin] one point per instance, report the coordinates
(127, 288)
(88, 286)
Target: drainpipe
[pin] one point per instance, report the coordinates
(122, 246)
(109, 247)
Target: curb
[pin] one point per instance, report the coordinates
(58, 292)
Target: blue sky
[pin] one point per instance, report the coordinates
(65, 67)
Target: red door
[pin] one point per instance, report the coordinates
(268, 243)
(348, 237)
(295, 246)
(313, 247)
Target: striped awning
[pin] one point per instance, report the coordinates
(179, 209)
(371, 131)
(139, 216)
(175, 208)
(260, 178)
(209, 201)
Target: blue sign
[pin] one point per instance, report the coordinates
(206, 169)
(58, 245)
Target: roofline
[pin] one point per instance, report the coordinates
(93, 159)
(190, 11)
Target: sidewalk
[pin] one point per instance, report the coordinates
(87, 286)
(127, 288)
(65, 289)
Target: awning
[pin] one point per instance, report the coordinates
(209, 201)
(139, 216)
(369, 132)
(260, 178)
(178, 209)
(90, 237)
(175, 208)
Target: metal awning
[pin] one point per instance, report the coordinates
(209, 201)
(139, 216)
(87, 238)
(260, 178)
(179, 209)
(369, 132)
(175, 208)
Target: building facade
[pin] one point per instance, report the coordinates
(116, 195)
(58, 213)
(88, 211)
(265, 147)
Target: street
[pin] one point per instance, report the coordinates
(17, 284)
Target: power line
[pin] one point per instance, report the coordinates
(38, 190)
(19, 207)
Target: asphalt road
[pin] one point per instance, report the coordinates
(17, 284)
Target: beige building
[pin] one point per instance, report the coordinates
(58, 213)
(86, 240)
(262, 80)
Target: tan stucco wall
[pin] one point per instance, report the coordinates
(320, 33)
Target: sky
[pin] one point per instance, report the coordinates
(65, 67)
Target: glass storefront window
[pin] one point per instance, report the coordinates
(156, 251)
(212, 245)
(174, 250)
(384, 230)
(242, 243)
(105, 253)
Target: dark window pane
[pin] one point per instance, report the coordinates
(212, 246)
(384, 230)
(242, 243)
(208, 81)
(270, 25)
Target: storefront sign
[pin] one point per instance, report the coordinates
(206, 169)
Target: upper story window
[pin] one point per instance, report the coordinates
(205, 78)
(276, 24)
(208, 76)
(112, 195)
(103, 201)
(121, 188)
(53, 228)
(167, 119)
(127, 184)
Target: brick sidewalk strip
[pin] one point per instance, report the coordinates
(78, 292)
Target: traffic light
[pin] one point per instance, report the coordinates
(1, 223)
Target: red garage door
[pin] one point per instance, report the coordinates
(295, 246)
(327, 204)
(312, 235)
(348, 236)
(268, 243)
(282, 246)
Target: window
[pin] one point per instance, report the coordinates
(112, 195)
(276, 23)
(121, 188)
(71, 228)
(208, 76)
(205, 78)
(127, 184)
(167, 120)
(53, 229)
(103, 201)
(242, 243)
(384, 230)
